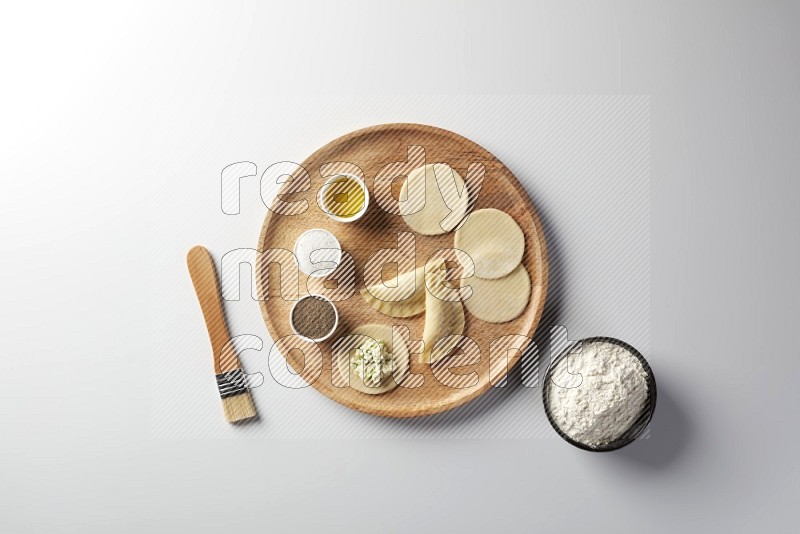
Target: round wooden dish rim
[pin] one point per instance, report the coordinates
(431, 406)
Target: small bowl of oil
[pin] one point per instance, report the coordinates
(344, 197)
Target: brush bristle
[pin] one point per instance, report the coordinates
(238, 407)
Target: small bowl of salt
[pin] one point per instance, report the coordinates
(318, 252)
(599, 394)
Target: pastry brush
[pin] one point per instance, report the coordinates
(236, 400)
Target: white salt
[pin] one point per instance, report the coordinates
(318, 252)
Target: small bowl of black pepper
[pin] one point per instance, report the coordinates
(314, 317)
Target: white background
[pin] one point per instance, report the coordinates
(105, 109)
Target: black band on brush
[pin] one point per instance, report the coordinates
(231, 383)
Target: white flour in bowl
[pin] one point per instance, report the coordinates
(598, 393)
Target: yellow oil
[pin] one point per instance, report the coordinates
(344, 197)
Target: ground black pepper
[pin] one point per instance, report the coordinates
(314, 317)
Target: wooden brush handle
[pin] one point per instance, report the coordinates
(206, 285)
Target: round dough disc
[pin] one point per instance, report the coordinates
(435, 216)
(378, 332)
(494, 242)
(499, 300)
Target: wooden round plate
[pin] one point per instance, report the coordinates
(371, 149)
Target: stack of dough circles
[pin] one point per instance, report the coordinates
(434, 207)
(494, 242)
(499, 300)
(400, 357)
(501, 286)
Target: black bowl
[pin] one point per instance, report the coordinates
(638, 425)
